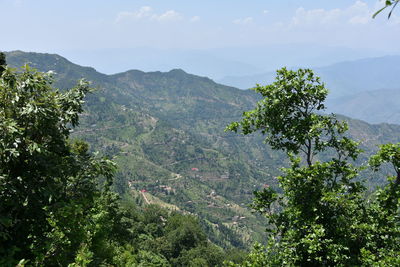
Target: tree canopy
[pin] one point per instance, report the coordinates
(2, 62)
(49, 184)
(323, 217)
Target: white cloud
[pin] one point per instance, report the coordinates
(170, 15)
(195, 19)
(244, 21)
(143, 12)
(358, 7)
(357, 13)
(147, 13)
(359, 20)
(360, 12)
(347, 26)
(315, 16)
(265, 11)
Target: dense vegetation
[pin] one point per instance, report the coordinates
(158, 126)
(164, 132)
(57, 207)
(324, 216)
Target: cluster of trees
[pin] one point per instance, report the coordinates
(56, 203)
(57, 207)
(48, 185)
(323, 215)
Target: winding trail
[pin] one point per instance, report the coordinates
(145, 198)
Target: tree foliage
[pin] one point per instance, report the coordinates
(290, 117)
(323, 217)
(388, 4)
(2, 62)
(49, 185)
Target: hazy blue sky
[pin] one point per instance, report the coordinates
(76, 26)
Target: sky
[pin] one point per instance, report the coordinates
(89, 29)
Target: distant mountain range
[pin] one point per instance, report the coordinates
(372, 106)
(216, 63)
(366, 89)
(165, 130)
(343, 79)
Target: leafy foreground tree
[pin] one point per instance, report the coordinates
(52, 211)
(323, 216)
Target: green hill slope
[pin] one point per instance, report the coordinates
(166, 132)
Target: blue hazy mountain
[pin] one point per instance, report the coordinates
(366, 89)
(372, 106)
(343, 79)
(215, 63)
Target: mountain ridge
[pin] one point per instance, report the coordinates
(349, 83)
(166, 130)
(366, 65)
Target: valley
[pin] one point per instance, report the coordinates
(165, 131)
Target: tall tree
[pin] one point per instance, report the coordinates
(2, 62)
(322, 217)
(48, 184)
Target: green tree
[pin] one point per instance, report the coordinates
(322, 217)
(383, 247)
(51, 202)
(181, 233)
(205, 255)
(2, 62)
(290, 117)
(388, 4)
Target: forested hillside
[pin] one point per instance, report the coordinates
(58, 208)
(166, 133)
